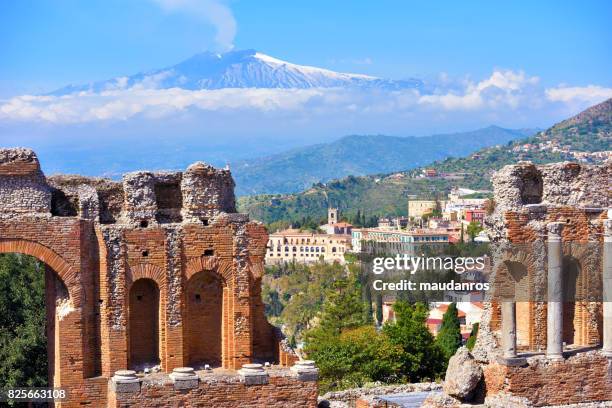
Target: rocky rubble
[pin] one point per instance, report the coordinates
(462, 376)
(347, 398)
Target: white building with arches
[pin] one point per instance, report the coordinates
(293, 245)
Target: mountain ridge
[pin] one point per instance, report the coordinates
(386, 194)
(358, 155)
(238, 69)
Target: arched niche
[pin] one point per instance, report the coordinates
(144, 324)
(206, 298)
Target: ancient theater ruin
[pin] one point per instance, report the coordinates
(546, 334)
(157, 272)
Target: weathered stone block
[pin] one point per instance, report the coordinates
(462, 376)
(184, 378)
(125, 381)
(512, 361)
(23, 188)
(253, 374)
(305, 370)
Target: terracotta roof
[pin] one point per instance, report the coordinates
(444, 308)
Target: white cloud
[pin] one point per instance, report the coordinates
(214, 12)
(507, 81)
(502, 97)
(126, 103)
(591, 94)
(451, 101)
(503, 89)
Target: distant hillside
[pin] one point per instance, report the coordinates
(300, 168)
(386, 194)
(588, 131)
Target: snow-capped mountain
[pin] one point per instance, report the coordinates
(239, 69)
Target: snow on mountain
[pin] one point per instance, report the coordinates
(239, 69)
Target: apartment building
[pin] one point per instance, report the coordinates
(400, 239)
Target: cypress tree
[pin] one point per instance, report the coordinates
(472, 339)
(379, 308)
(449, 336)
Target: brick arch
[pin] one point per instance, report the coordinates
(209, 263)
(61, 267)
(509, 275)
(582, 320)
(514, 279)
(223, 271)
(589, 258)
(157, 275)
(146, 271)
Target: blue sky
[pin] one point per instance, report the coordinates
(46, 44)
(519, 64)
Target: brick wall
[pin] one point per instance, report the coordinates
(144, 324)
(203, 324)
(222, 392)
(527, 199)
(125, 263)
(582, 235)
(579, 379)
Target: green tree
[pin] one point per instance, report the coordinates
(449, 336)
(437, 210)
(356, 356)
(473, 229)
(304, 289)
(23, 340)
(273, 305)
(343, 309)
(421, 358)
(379, 308)
(356, 221)
(471, 341)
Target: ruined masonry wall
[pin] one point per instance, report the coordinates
(228, 392)
(579, 379)
(527, 198)
(98, 237)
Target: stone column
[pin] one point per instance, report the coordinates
(125, 381)
(607, 289)
(554, 323)
(184, 378)
(253, 374)
(305, 370)
(508, 320)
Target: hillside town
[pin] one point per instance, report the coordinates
(429, 221)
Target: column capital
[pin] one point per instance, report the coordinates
(554, 230)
